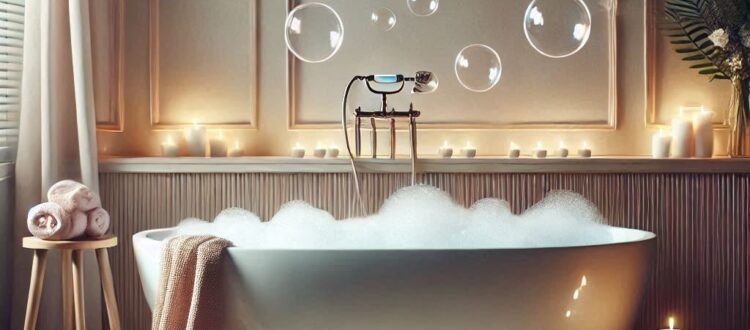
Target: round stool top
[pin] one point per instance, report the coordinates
(106, 241)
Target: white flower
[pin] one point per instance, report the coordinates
(720, 38)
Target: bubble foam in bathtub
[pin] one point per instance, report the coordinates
(419, 217)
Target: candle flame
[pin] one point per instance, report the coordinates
(585, 145)
(236, 144)
(671, 323)
(575, 294)
(445, 144)
(562, 144)
(513, 145)
(468, 144)
(539, 145)
(221, 134)
(583, 281)
(568, 313)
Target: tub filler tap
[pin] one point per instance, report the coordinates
(424, 82)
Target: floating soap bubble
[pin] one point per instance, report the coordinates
(314, 32)
(478, 68)
(557, 28)
(422, 7)
(383, 19)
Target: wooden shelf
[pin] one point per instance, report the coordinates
(425, 165)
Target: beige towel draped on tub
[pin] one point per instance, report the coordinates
(188, 287)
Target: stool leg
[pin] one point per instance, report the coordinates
(66, 262)
(35, 288)
(105, 273)
(78, 289)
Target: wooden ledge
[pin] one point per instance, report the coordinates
(107, 241)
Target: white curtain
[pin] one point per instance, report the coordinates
(57, 140)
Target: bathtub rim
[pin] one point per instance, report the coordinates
(647, 236)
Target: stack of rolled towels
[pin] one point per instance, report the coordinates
(72, 211)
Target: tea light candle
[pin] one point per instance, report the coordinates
(562, 152)
(445, 150)
(169, 148)
(236, 150)
(514, 151)
(195, 139)
(332, 152)
(585, 151)
(682, 136)
(217, 145)
(660, 144)
(469, 151)
(319, 151)
(298, 151)
(540, 152)
(703, 133)
(670, 323)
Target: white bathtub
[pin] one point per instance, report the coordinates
(426, 289)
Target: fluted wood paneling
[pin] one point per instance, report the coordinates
(702, 269)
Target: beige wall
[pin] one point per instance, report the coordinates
(273, 137)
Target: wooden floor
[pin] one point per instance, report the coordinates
(701, 274)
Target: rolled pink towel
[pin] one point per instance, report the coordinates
(73, 196)
(98, 222)
(51, 222)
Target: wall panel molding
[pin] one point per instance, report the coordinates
(701, 273)
(116, 56)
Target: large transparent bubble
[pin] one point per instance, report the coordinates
(422, 7)
(383, 19)
(557, 28)
(314, 32)
(478, 68)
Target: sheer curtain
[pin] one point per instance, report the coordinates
(56, 141)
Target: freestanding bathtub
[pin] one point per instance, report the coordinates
(586, 287)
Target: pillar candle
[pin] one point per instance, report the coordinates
(585, 151)
(660, 144)
(445, 150)
(169, 148)
(540, 152)
(236, 150)
(703, 132)
(195, 139)
(514, 151)
(563, 151)
(298, 151)
(319, 151)
(469, 151)
(332, 152)
(217, 146)
(682, 137)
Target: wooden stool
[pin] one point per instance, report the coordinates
(72, 279)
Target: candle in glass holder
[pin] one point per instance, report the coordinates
(660, 144)
(217, 145)
(469, 151)
(236, 150)
(445, 150)
(514, 151)
(682, 136)
(195, 140)
(332, 152)
(540, 152)
(563, 151)
(298, 151)
(319, 151)
(585, 151)
(169, 148)
(703, 133)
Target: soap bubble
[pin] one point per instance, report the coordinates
(557, 28)
(422, 7)
(384, 19)
(314, 32)
(478, 68)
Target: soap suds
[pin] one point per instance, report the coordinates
(418, 217)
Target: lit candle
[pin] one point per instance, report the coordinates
(217, 145)
(514, 151)
(540, 152)
(236, 150)
(319, 151)
(298, 151)
(332, 152)
(469, 151)
(703, 132)
(682, 136)
(445, 150)
(660, 144)
(585, 151)
(195, 139)
(670, 323)
(563, 152)
(169, 148)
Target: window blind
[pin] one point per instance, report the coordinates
(11, 63)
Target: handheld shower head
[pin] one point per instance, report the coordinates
(425, 82)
